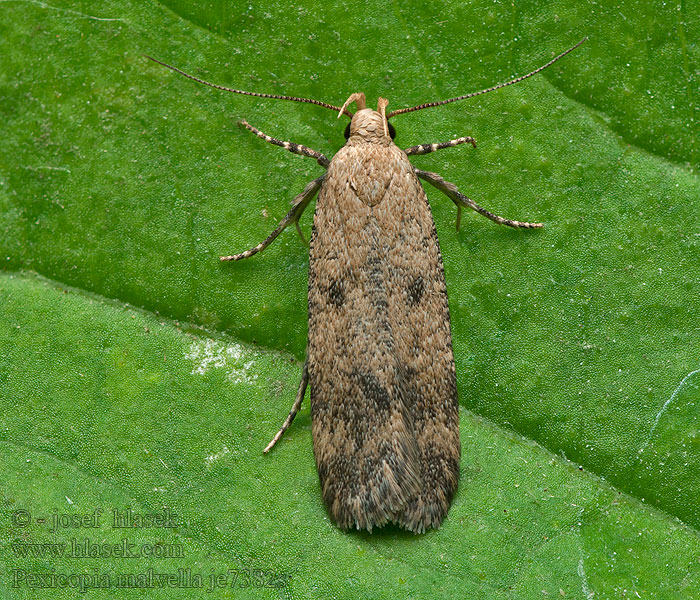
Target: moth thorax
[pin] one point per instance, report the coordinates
(369, 125)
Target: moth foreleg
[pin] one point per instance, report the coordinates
(428, 148)
(300, 203)
(295, 407)
(451, 191)
(291, 146)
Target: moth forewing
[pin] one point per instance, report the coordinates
(383, 388)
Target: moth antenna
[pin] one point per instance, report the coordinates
(358, 98)
(491, 89)
(257, 94)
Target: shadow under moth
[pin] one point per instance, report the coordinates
(379, 358)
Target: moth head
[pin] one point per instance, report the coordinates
(368, 124)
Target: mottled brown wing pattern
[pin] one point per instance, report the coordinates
(381, 369)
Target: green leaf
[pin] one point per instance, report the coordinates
(121, 183)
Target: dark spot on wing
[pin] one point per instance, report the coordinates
(415, 290)
(336, 293)
(375, 393)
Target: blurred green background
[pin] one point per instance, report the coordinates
(138, 371)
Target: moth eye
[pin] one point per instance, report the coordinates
(347, 132)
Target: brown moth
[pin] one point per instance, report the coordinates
(379, 359)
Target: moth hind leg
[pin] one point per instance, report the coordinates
(295, 408)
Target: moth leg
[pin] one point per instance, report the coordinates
(291, 146)
(300, 203)
(295, 407)
(427, 148)
(451, 191)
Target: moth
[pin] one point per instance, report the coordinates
(379, 359)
